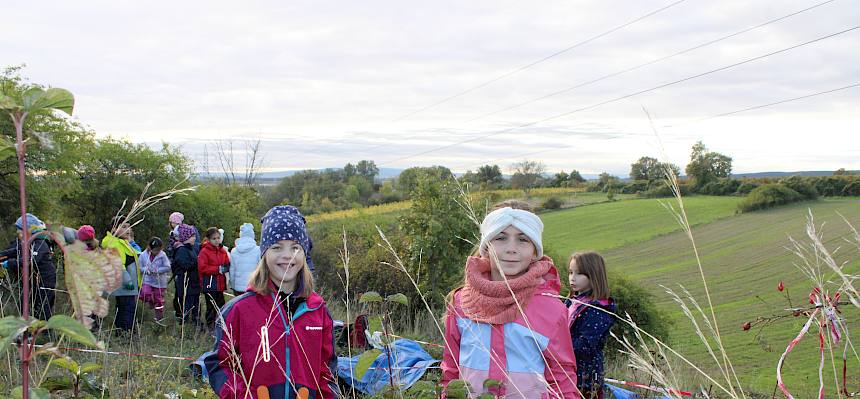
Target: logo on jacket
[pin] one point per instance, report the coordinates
(313, 328)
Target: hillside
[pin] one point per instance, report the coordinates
(744, 258)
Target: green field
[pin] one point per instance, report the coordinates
(744, 258)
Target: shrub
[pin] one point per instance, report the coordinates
(659, 189)
(768, 196)
(831, 186)
(746, 187)
(724, 186)
(634, 300)
(552, 203)
(852, 189)
(801, 185)
(635, 187)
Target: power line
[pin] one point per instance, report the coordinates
(617, 73)
(720, 115)
(616, 99)
(533, 63)
(652, 62)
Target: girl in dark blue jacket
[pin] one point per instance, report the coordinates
(589, 327)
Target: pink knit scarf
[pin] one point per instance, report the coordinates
(488, 301)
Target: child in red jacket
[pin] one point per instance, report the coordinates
(276, 341)
(212, 264)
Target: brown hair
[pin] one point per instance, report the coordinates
(211, 232)
(260, 278)
(592, 265)
(513, 203)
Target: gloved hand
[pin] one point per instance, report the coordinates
(128, 286)
(5, 264)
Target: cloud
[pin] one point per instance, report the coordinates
(331, 78)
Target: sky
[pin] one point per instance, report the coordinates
(576, 84)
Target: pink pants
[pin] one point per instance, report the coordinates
(154, 297)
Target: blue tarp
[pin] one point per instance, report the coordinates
(410, 363)
(619, 393)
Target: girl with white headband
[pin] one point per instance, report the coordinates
(499, 325)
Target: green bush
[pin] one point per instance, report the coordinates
(801, 185)
(768, 196)
(634, 300)
(852, 189)
(746, 187)
(831, 186)
(726, 186)
(552, 203)
(659, 189)
(635, 187)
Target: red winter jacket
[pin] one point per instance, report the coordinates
(209, 260)
(252, 354)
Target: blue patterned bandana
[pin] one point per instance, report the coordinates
(285, 222)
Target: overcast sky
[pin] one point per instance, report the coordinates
(323, 83)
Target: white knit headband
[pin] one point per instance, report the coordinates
(498, 220)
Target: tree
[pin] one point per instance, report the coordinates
(436, 229)
(367, 169)
(842, 172)
(650, 169)
(408, 178)
(561, 179)
(706, 166)
(226, 155)
(526, 174)
(489, 174)
(575, 177)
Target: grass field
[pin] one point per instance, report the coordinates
(616, 224)
(744, 257)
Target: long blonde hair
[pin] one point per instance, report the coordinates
(261, 277)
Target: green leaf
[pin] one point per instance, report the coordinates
(364, 361)
(35, 393)
(36, 324)
(370, 296)
(489, 383)
(457, 389)
(67, 363)
(31, 98)
(58, 99)
(486, 396)
(58, 383)
(7, 102)
(90, 367)
(10, 328)
(72, 329)
(398, 298)
(36, 99)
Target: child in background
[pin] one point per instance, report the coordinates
(43, 271)
(212, 264)
(589, 327)
(126, 295)
(243, 259)
(156, 273)
(522, 339)
(87, 235)
(186, 279)
(276, 340)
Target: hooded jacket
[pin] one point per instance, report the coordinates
(262, 346)
(209, 260)
(244, 258)
(532, 356)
